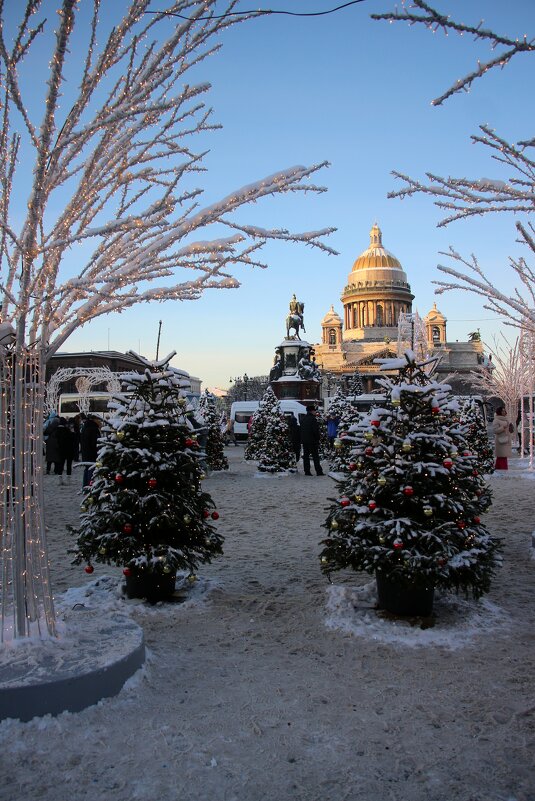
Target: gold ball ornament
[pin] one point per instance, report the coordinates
(167, 568)
(368, 435)
(182, 401)
(202, 476)
(381, 481)
(324, 560)
(338, 444)
(382, 540)
(89, 501)
(98, 464)
(406, 446)
(120, 435)
(102, 550)
(454, 453)
(187, 519)
(334, 525)
(428, 511)
(192, 578)
(395, 401)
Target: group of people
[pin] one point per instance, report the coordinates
(69, 441)
(306, 435)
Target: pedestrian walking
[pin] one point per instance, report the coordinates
(310, 440)
(502, 438)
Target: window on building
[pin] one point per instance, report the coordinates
(379, 319)
(436, 334)
(332, 336)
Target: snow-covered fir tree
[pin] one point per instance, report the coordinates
(476, 434)
(145, 509)
(323, 443)
(355, 385)
(257, 432)
(214, 446)
(411, 508)
(349, 417)
(275, 452)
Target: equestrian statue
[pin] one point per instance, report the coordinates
(295, 318)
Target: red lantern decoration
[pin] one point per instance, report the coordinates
(119, 478)
(344, 501)
(152, 483)
(372, 505)
(215, 515)
(127, 571)
(89, 568)
(408, 491)
(448, 463)
(128, 528)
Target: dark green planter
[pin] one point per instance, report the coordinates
(405, 600)
(152, 586)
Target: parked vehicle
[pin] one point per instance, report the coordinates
(242, 411)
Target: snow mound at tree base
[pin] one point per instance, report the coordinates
(456, 622)
(96, 654)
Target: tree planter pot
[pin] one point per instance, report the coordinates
(405, 600)
(152, 586)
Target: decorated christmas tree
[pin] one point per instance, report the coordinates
(349, 417)
(257, 433)
(410, 510)
(145, 509)
(275, 453)
(324, 442)
(476, 434)
(214, 446)
(355, 386)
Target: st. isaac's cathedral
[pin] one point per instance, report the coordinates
(377, 296)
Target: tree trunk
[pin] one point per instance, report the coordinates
(27, 607)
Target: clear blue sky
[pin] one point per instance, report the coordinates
(356, 92)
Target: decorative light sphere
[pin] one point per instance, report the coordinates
(152, 482)
(215, 515)
(128, 528)
(448, 463)
(428, 511)
(344, 501)
(408, 491)
(89, 568)
(120, 435)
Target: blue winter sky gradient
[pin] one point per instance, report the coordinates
(297, 90)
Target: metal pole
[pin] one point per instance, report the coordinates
(158, 342)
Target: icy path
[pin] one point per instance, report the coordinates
(249, 695)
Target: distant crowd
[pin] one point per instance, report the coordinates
(69, 441)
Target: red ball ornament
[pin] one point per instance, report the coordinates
(476, 520)
(408, 491)
(368, 451)
(215, 515)
(189, 442)
(372, 505)
(467, 453)
(461, 524)
(206, 514)
(128, 528)
(152, 483)
(89, 568)
(435, 409)
(344, 501)
(475, 472)
(119, 478)
(352, 466)
(375, 423)
(448, 463)
(441, 562)
(127, 571)
(398, 546)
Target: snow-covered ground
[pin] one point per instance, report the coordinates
(269, 683)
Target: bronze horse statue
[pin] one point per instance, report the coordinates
(295, 321)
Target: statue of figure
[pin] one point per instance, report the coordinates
(276, 371)
(474, 336)
(295, 318)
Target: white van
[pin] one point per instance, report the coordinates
(242, 411)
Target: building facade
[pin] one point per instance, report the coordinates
(378, 314)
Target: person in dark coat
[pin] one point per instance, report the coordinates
(310, 440)
(64, 443)
(294, 434)
(88, 446)
(52, 455)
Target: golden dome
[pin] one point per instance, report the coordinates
(332, 318)
(376, 256)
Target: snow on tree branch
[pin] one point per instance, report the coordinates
(115, 202)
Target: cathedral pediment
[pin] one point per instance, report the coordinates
(368, 360)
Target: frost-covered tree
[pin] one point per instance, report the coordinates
(349, 417)
(511, 190)
(507, 380)
(257, 432)
(275, 452)
(411, 511)
(145, 509)
(214, 446)
(476, 434)
(100, 209)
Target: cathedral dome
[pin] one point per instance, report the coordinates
(376, 256)
(332, 318)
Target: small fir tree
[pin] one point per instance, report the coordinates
(349, 417)
(276, 454)
(411, 509)
(476, 434)
(257, 432)
(355, 386)
(145, 509)
(323, 446)
(214, 446)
